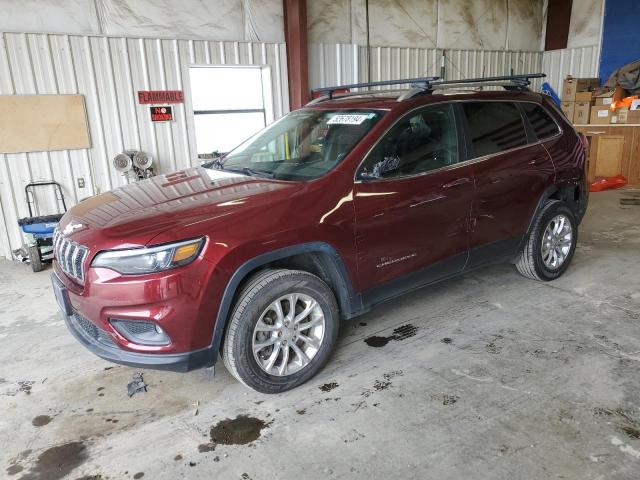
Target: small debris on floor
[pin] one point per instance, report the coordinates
(136, 385)
(197, 405)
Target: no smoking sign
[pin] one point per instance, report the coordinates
(161, 114)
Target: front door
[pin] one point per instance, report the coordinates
(412, 202)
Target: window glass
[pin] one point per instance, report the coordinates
(543, 125)
(494, 126)
(303, 145)
(228, 106)
(422, 141)
(226, 88)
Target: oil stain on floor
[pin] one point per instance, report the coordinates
(57, 462)
(41, 420)
(327, 387)
(400, 333)
(234, 431)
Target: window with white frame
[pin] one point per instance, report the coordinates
(228, 106)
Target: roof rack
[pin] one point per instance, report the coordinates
(426, 85)
(327, 93)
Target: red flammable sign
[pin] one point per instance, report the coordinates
(161, 114)
(160, 96)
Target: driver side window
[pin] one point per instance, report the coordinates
(419, 142)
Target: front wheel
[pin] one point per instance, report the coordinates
(551, 243)
(282, 330)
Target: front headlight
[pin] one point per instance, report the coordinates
(137, 261)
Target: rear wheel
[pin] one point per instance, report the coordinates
(35, 259)
(282, 330)
(551, 243)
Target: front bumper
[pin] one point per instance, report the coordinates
(101, 344)
(104, 344)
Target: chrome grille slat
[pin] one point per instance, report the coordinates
(70, 256)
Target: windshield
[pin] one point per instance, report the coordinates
(303, 145)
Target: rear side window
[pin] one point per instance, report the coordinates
(494, 126)
(543, 125)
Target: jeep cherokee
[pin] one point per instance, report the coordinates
(334, 208)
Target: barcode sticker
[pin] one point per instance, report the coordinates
(607, 101)
(344, 119)
(603, 113)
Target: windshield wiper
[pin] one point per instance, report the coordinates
(250, 172)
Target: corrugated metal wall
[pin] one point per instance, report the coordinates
(335, 64)
(109, 71)
(578, 62)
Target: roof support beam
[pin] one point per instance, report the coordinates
(295, 36)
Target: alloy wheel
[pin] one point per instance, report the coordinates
(557, 241)
(288, 334)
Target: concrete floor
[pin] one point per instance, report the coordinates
(494, 376)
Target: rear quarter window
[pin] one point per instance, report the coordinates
(544, 126)
(494, 127)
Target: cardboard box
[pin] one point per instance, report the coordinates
(572, 85)
(568, 109)
(609, 96)
(581, 113)
(600, 115)
(584, 96)
(625, 115)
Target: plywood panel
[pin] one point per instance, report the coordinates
(609, 163)
(629, 155)
(41, 123)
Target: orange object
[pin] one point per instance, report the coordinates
(625, 102)
(608, 183)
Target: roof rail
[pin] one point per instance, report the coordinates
(427, 85)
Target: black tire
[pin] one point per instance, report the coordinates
(530, 263)
(259, 292)
(35, 259)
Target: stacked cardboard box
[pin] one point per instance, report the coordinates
(577, 96)
(601, 113)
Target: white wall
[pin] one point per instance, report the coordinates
(339, 64)
(109, 71)
(581, 58)
(586, 23)
(443, 24)
(228, 20)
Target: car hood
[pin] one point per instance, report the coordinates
(134, 214)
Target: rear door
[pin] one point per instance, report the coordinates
(412, 200)
(511, 171)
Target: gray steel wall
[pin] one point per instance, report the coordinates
(109, 71)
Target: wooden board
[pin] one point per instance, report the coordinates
(37, 123)
(629, 156)
(609, 155)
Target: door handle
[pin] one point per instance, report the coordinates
(456, 183)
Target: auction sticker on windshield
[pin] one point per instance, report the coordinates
(344, 119)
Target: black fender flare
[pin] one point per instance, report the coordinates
(541, 201)
(350, 302)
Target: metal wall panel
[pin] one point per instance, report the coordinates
(335, 64)
(578, 62)
(109, 71)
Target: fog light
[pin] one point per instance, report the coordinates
(141, 332)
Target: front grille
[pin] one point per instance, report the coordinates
(70, 256)
(92, 330)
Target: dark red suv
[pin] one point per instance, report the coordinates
(339, 206)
